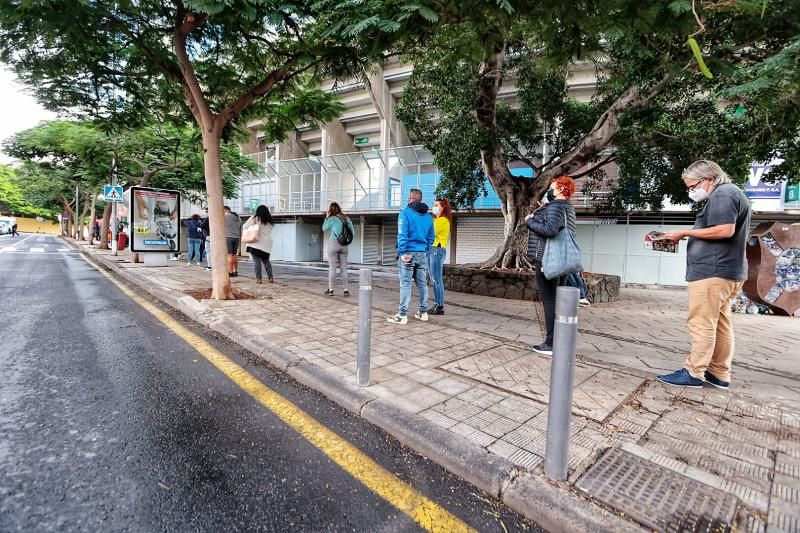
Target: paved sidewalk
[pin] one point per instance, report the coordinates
(666, 458)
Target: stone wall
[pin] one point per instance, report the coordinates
(601, 287)
(518, 285)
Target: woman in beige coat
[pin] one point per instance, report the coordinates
(260, 249)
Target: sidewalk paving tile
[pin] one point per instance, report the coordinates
(493, 390)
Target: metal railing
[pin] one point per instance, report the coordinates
(371, 181)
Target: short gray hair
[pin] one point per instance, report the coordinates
(707, 170)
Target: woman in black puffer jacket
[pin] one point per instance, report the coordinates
(554, 214)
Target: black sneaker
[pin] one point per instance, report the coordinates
(711, 379)
(437, 310)
(544, 348)
(329, 292)
(233, 274)
(346, 293)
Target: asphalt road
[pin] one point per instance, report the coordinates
(109, 422)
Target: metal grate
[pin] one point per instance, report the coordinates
(657, 497)
(370, 254)
(389, 252)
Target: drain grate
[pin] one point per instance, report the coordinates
(657, 497)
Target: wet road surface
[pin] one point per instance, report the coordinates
(109, 421)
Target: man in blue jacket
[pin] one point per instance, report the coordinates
(414, 239)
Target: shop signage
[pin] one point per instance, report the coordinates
(756, 187)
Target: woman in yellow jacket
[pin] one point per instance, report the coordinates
(442, 217)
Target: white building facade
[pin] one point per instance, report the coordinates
(367, 163)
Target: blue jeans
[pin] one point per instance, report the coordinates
(575, 280)
(418, 269)
(436, 264)
(194, 251)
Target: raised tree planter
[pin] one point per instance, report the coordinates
(517, 285)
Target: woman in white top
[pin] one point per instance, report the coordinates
(259, 250)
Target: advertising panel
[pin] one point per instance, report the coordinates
(756, 187)
(155, 220)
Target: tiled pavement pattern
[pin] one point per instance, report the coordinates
(645, 330)
(491, 390)
(598, 391)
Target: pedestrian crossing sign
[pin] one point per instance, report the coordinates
(112, 193)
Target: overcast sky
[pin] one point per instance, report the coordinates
(18, 110)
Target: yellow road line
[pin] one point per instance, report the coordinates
(425, 512)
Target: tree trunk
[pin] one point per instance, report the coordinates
(220, 281)
(70, 214)
(84, 212)
(516, 194)
(104, 225)
(92, 216)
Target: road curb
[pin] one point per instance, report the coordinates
(553, 507)
(558, 509)
(351, 397)
(467, 460)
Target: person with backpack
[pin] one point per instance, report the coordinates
(342, 232)
(259, 245)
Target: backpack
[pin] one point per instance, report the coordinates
(345, 237)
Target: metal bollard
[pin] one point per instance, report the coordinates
(562, 381)
(364, 326)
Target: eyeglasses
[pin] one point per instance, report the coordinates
(693, 187)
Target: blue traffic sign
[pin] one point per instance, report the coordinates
(112, 193)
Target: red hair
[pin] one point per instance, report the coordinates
(446, 211)
(566, 185)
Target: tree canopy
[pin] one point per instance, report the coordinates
(222, 60)
(653, 110)
(14, 197)
(159, 155)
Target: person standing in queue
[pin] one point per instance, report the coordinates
(442, 219)
(553, 215)
(342, 232)
(261, 248)
(193, 239)
(233, 232)
(414, 239)
(716, 269)
(203, 229)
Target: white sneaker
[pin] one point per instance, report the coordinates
(188, 263)
(173, 258)
(421, 316)
(584, 302)
(397, 319)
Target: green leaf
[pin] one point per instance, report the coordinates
(679, 7)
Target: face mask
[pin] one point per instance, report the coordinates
(549, 196)
(436, 210)
(698, 195)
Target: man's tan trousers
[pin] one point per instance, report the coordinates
(709, 323)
